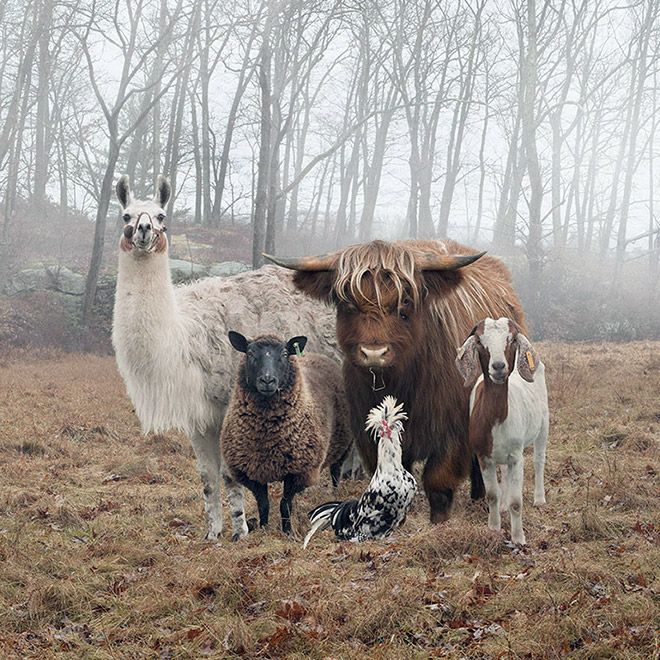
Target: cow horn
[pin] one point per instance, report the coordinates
(315, 263)
(430, 261)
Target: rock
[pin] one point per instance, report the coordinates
(186, 270)
(29, 279)
(66, 281)
(227, 269)
(53, 278)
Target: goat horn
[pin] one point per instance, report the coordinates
(430, 261)
(315, 263)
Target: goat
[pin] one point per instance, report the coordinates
(508, 412)
(287, 418)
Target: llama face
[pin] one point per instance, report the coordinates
(144, 220)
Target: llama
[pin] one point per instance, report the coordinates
(170, 342)
(287, 419)
(508, 412)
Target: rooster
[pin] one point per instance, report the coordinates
(383, 506)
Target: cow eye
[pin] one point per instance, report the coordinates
(127, 217)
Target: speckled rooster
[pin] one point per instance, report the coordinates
(383, 506)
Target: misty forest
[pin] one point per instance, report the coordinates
(528, 129)
(525, 128)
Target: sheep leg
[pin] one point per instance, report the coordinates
(539, 465)
(515, 488)
(489, 472)
(260, 492)
(292, 486)
(207, 451)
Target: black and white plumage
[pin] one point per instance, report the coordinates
(383, 506)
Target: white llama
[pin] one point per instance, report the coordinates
(171, 342)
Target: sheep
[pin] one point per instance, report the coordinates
(287, 418)
(508, 412)
(170, 341)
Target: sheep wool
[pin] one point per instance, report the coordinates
(298, 431)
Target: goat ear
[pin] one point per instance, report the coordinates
(528, 360)
(296, 345)
(163, 191)
(123, 191)
(467, 361)
(238, 341)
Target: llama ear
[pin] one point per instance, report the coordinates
(238, 341)
(123, 191)
(163, 191)
(467, 361)
(296, 345)
(527, 361)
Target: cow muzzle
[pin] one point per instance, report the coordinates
(375, 356)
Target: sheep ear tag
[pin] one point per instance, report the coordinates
(530, 360)
(299, 353)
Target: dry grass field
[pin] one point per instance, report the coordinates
(101, 528)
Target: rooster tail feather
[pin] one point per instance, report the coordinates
(320, 518)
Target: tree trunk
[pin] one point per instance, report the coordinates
(99, 232)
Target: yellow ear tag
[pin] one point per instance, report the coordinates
(530, 360)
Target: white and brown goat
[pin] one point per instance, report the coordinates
(508, 412)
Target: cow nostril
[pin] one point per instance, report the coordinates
(374, 353)
(498, 366)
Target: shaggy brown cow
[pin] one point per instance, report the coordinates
(402, 310)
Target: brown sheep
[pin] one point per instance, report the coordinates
(287, 419)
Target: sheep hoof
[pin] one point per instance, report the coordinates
(211, 535)
(539, 503)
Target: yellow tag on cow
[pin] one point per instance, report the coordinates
(530, 361)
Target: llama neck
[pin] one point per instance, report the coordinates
(491, 407)
(145, 291)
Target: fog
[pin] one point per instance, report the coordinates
(526, 128)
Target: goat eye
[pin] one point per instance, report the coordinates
(127, 217)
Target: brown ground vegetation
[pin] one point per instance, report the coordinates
(101, 550)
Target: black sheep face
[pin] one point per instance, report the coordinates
(267, 368)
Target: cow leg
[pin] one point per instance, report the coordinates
(368, 452)
(439, 485)
(477, 488)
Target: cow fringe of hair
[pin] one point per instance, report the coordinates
(391, 267)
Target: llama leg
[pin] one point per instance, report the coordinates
(292, 485)
(234, 490)
(539, 465)
(515, 489)
(489, 471)
(207, 451)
